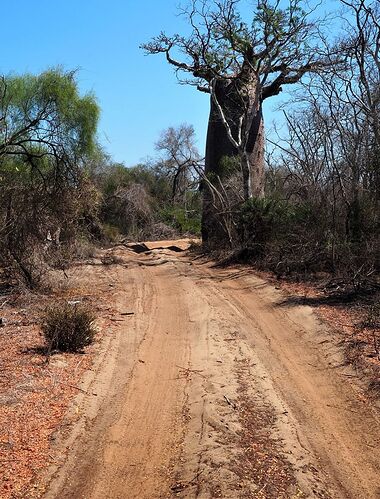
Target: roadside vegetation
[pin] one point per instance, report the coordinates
(68, 327)
(60, 193)
(313, 205)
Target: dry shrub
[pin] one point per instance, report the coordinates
(84, 249)
(129, 209)
(371, 323)
(41, 224)
(160, 231)
(68, 327)
(110, 233)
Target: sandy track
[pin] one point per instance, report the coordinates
(217, 388)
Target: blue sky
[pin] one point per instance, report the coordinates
(138, 95)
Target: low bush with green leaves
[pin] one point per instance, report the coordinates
(185, 221)
(68, 327)
(284, 236)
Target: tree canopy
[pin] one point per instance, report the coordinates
(47, 132)
(279, 44)
(44, 122)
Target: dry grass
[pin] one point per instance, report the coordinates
(68, 327)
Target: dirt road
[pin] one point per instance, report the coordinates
(214, 385)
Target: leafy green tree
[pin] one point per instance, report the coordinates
(44, 121)
(47, 131)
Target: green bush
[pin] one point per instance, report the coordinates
(183, 220)
(283, 236)
(68, 327)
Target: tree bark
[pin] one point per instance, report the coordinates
(218, 146)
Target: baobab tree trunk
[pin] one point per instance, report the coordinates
(219, 146)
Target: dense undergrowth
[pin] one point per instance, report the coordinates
(301, 238)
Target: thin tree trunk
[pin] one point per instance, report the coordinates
(246, 174)
(255, 151)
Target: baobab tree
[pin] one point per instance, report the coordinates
(240, 64)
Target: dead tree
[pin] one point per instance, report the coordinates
(179, 161)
